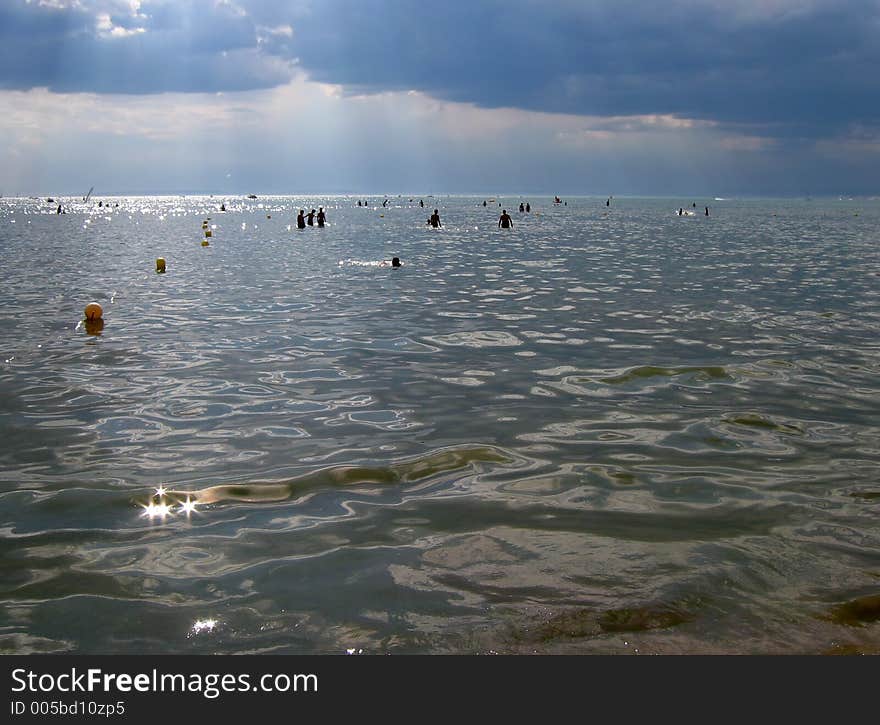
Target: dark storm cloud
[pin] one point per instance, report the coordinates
(815, 68)
(198, 46)
(792, 68)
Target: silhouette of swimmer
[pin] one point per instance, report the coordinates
(422, 203)
(395, 262)
(608, 202)
(528, 208)
(359, 202)
(707, 211)
(322, 217)
(223, 207)
(484, 203)
(300, 220)
(522, 207)
(504, 221)
(680, 212)
(310, 218)
(434, 221)
(385, 203)
(58, 210)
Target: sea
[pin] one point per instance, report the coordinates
(611, 429)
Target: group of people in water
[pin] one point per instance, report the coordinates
(62, 210)
(681, 211)
(504, 221)
(303, 219)
(385, 203)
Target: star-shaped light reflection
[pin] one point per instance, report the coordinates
(188, 506)
(157, 510)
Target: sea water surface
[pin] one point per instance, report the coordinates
(611, 429)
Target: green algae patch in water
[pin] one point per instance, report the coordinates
(448, 461)
(650, 371)
(642, 619)
(424, 468)
(849, 650)
(856, 612)
(756, 420)
(580, 623)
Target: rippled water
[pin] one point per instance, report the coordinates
(606, 430)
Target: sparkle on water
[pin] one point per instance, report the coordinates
(202, 626)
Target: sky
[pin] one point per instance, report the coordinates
(603, 97)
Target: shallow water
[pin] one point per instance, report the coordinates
(607, 430)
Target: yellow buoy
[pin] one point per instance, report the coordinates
(94, 327)
(205, 242)
(207, 234)
(94, 311)
(160, 264)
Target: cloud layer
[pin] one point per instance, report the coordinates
(794, 68)
(607, 96)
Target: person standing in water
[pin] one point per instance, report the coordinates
(322, 217)
(504, 221)
(707, 211)
(422, 203)
(300, 220)
(434, 221)
(528, 208)
(310, 218)
(522, 207)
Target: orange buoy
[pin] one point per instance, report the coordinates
(94, 311)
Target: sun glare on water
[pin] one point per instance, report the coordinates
(162, 508)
